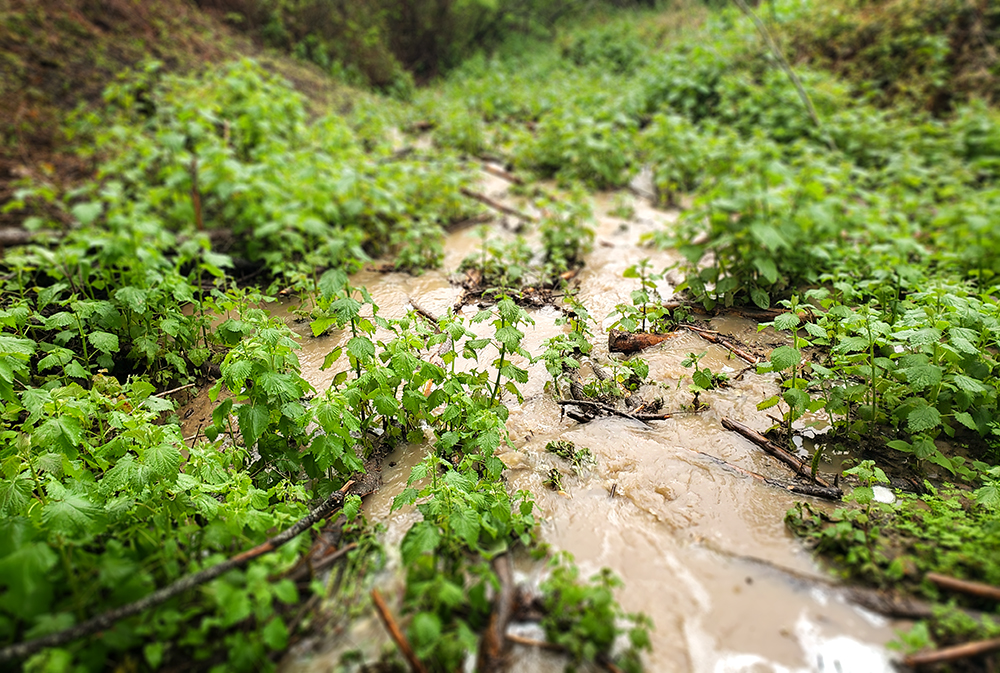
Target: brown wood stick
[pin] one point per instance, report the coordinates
(107, 619)
(965, 586)
(763, 442)
(716, 338)
(501, 173)
(831, 493)
(485, 200)
(175, 390)
(954, 653)
(397, 635)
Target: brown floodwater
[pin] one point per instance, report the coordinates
(697, 546)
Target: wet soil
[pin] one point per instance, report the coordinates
(679, 530)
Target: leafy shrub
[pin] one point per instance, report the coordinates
(614, 48)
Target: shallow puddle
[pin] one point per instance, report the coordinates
(680, 530)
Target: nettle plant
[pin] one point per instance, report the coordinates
(563, 352)
(646, 312)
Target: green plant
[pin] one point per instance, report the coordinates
(585, 619)
(702, 379)
(568, 451)
(646, 309)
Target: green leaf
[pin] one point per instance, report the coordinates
(922, 418)
(275, 634)
(786, 321)
(15, 494)
(425, 631)
(104, 342)
(423, 537)
(785, 357)
(73, 516)
(760, 297)
(765, 266)
(163, 460)
(253, 421)
(965, 418)
(62, 432)
(361, 348)
(924, 376)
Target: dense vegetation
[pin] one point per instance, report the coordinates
(872, 228)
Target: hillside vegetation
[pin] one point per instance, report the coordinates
(155, 222)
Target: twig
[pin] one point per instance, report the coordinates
(175, 390)
(783, 62)
(763, 442)
(485, 200)
(106, 620)
(716, 338)
(607, 408)
(504, 175)
(972, 588)
(330, 559)
(401, 642)
(955, 653)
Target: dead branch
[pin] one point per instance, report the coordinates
(397, 635)
(502, 174)
(964, 586)
(606, 408)
(955, 653)
(770, 447)
(493, 645)
(106, 620)
(715, 338)
(485, 200)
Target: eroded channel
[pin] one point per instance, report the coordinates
(695, 544)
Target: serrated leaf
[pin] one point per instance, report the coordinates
(61, 432)
(786, 321)
(275, 634)
(465, 523)
(15, 494)
(965, 418)
(361, 348)
(253, 421)
(768, 403)
(968, 384)
(423, 537)
(922, 418)
(104, 342)
(163, 461)
(923, 376)
(73, 515)
(785, 357)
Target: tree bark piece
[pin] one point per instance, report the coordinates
(763, 442)
(106, 620)
(397, 635)
(633, 342)
(964, 586)
(493, 645)
(496, 205)
(955, 653)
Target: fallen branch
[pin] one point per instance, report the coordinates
(493, 645)
(485, 200)
(763, 442)
(607, 408)
(964, 586)
(106, 620)
(955, 653)
(397, 635)
(502, 174)
(715, 338)
(175, 390)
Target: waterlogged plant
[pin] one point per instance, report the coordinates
(646, 309)
(566, 235)
(500, 266)
(703, 378)
(468, 519)
(563, 352)
(585, 619)
(567, 450)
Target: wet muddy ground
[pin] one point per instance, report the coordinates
(681, 531)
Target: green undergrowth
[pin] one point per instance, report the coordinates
(132, 285)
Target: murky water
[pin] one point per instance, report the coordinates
(680, 530)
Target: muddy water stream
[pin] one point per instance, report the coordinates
(680, 531)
